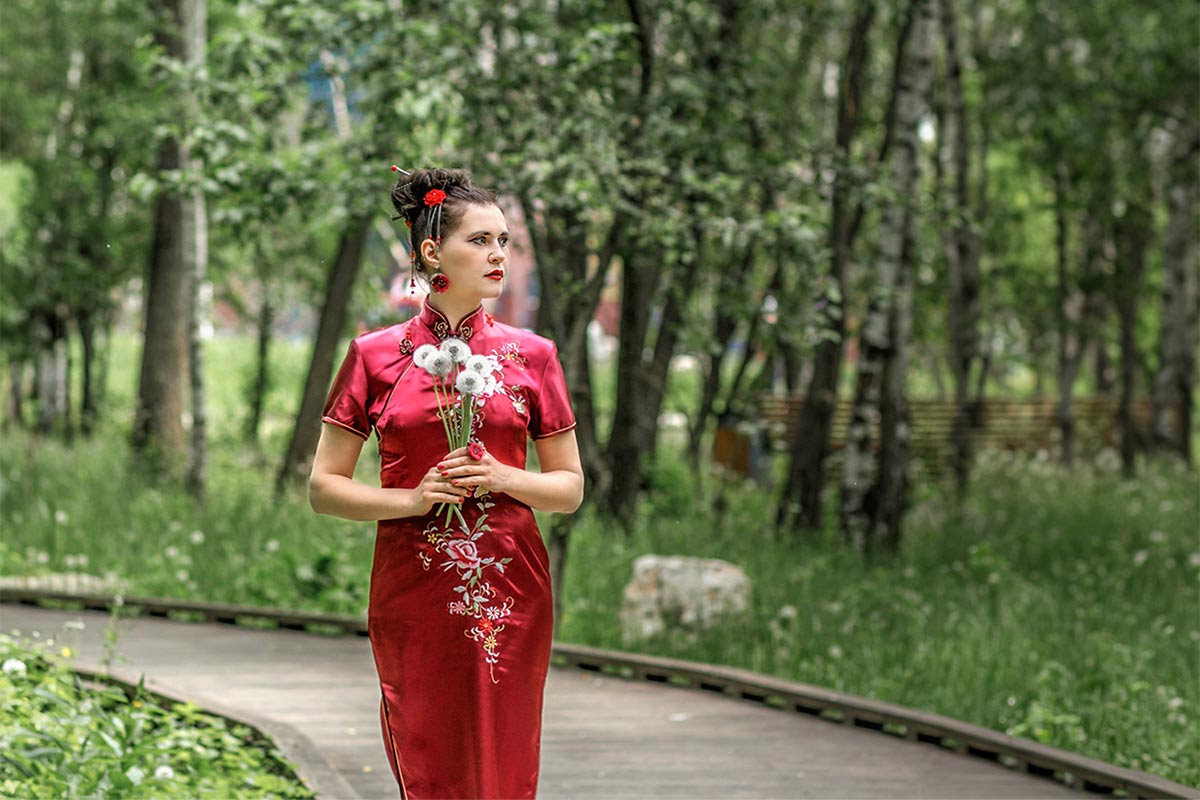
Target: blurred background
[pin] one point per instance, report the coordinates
(892, 304)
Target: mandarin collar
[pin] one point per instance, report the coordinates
(437, 322)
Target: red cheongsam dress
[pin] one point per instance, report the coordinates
(460, 621)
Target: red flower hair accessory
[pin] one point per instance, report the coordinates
(475, 450)
(440, 283)
(434, 197)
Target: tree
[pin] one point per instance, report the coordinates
(1175, 379)
(872, 506)
(158, 435)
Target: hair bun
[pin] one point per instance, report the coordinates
(408, 194)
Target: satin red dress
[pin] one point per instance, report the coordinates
(460, 623)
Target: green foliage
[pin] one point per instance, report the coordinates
(1062, 608)
(60, 737)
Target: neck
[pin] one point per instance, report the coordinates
(453, 309)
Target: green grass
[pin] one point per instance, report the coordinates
(60, 737)
(1061, 607)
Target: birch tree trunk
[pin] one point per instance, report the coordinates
(1175, 380)
(801, 502)
(872, 500)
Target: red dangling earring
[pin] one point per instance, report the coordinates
(440, 283)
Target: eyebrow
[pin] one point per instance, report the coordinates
(489, 233)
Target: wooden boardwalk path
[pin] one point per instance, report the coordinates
(603, 737)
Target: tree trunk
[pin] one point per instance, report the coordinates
(262, 376)
(85, 322)
(15, 405)
(53, 388)
(158, 436)
(195, 253)
(1070, 309)
(1133, 237)
(1174, 383)
(873, 500)
(307, 430)
(800, 503)
(895, 427)
(962, 250)
(630, 430)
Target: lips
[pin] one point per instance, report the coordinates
(496, 275)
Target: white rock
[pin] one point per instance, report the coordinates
(682, 593)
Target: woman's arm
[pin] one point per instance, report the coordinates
(333, 490)
(558, 487)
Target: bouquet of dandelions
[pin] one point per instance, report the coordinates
(461, 382)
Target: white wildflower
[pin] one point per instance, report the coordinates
(470, 382)
(481, 364)
(1194, 559)
(1140, 557)
(1157, 536)
(272, 545)
(787, 612)
(457, 349)
(423, 354)
(171, 552)
(43, 557)
(61, 517)
(13, 666)
(181, 575)
(164, 773)
(439, 365)
(197, 537)
(835, 651)
(135, 775)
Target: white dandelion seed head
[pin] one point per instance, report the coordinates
(164, 773)
(469, 382)
(457, 349)
(171, 552)
(197, 537)
(135, 775)
(13, 666)
(62, 517)
(272, 545)
(423, 354)
(490, 385)
(439, 365)
(479, 364)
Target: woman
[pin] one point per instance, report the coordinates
(460, 616)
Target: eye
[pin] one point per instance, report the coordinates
(504, 241)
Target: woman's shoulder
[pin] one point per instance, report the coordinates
(533, 346)
(380, 346)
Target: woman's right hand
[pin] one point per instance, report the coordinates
(434, 489)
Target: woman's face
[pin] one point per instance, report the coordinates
(474, 256)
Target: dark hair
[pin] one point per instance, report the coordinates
(408, 197)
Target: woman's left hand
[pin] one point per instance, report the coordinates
(464, 470)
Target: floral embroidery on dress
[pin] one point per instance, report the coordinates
(477, 597)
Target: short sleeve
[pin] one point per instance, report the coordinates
(347, 403)
(551, 413)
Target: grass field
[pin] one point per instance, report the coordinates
(1061, 607)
